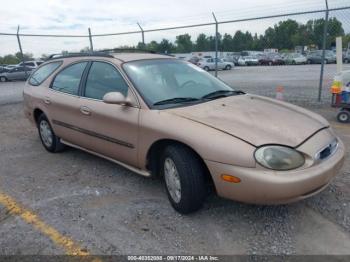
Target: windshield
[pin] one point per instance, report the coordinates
(165, 79)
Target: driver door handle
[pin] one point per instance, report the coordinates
(85, 110)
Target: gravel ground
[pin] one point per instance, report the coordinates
(109, 210)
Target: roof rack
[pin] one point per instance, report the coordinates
(131, 50)
(66, 55)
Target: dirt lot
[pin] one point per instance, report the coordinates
(105, 209)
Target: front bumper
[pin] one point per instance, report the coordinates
(261, 186)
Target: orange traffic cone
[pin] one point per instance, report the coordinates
(279, 93)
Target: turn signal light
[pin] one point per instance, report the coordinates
(230, 178)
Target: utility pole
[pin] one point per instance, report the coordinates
(325, 29)
(216, 44)
(142, 33)
(90, 38)
(21, 51)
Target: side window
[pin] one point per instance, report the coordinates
(68, 79)
(43, 72)
(29, 64)
(102, 79)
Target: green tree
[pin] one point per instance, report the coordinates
(165, 46)
(202, 43)
(184, 43)
(10, 60)
(26, 56)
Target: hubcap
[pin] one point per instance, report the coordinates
(46, 133)
(172, 180)
(343, 117)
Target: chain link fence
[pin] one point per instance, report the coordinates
(291, 52)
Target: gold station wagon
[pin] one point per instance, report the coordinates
(157, 115)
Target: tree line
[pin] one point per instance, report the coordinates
(285, 35)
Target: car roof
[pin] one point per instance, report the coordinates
(122, 57)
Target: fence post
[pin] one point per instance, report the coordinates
(90, 38)
(21, 51)
(142, 33)
(325, 29)
(216, 45)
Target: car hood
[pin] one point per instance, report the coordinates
(255, 119)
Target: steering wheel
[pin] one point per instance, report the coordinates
(187, 83)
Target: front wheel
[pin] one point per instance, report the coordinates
(184, 178)
(228, 67)
(206, 68)
(3, 79)
(47, 136)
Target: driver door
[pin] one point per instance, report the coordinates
(112, 129)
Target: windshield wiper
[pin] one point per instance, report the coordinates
(222, 93)
(176, 100)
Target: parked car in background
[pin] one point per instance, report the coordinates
(3, 69)
(194, 60)
(294, 59)
(248, 60)
(271, 59)
(16, 73)
(10, 66)
(346, 58)
(315, 57)
(31, 64)
(209, 64)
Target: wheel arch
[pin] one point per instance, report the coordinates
(36, 114)
(154, 151)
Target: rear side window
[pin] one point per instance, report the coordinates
(102, 79)
(68, 80)
(43, 72)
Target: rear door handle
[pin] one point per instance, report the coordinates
(47, 100)
(85, 110)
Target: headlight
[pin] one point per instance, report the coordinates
(279, 157)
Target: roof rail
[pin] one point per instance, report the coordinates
(67, 55)
(131, 50)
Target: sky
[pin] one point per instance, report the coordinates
(74, 17)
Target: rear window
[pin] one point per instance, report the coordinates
(43, 72)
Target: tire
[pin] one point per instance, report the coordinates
(206, 68)
(343, 116)
(184, 179)
(326, 61)
(309, 62)
(49, 140)
(346, 61)
(270, 63)
(293, 62)
(228, 67)
(3, 79)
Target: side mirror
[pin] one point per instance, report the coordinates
(116, 98)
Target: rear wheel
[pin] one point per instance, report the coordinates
(346, 61)
(343, 116)
(184, 178)
(3, 79)
(228, 67)
(47, 136)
